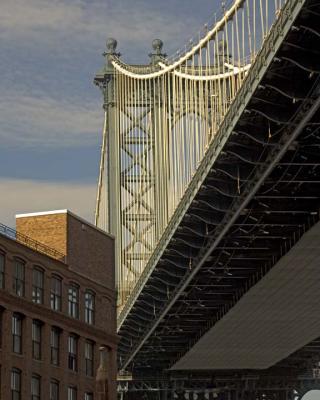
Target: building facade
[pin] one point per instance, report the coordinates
(57, 308)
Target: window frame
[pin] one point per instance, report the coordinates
(37, 291)
(56, 295)
(57, 385)
(16, 333)
(15, 392)
(55, 347)
(89, 358)
(36, 378)
(89, 311)
(73, 352)
(36, 341)
(73, 300)
(19, 282)
(88, 396)
(72, 393)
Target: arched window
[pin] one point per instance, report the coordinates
(72, 393)
(89, 303)
(89, 357)
(17, 333)
(15, 384)
(35, 387)
(54, 389)
(36, 339)
(73, 300)
(73, 352)
(37, 285)
(55, 345)
(19, 277)
(56, 293)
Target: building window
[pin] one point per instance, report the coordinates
(36, 339)
(54, 390)
(56, 292)
(55, 342)
(17, 333)
(89, 354)
(73, 300)
(89, 300)
(2, 262)
(15, 384)
(72, 349)
(1, 331)
(37, 285)
(18, 278)
(72, 393)
(88, 396)
(35, 387)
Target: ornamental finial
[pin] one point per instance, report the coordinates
(157, 54)
(111, 45)
(157, 45)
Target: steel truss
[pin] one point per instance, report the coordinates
(254, 195)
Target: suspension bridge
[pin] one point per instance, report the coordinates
(210, 180)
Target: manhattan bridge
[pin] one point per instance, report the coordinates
(210, 182)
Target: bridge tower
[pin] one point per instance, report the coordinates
(127, 200)
(160, 119)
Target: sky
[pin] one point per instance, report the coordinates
(50, 112)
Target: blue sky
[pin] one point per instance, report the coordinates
(50, 112)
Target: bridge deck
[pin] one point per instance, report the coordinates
(259, 190)
(277, 316)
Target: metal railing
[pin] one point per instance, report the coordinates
(31, 243)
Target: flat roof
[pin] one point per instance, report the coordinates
(66, 211)
(35, 214)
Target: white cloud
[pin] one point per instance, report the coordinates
(43, 121)
(67, 28)
(46, 20)
(22, 196)
(22, 17)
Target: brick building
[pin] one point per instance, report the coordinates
(57, 308)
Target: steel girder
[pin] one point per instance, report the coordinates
(258, 198)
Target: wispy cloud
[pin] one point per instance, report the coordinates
(43, 121)
(47, 19)
(47, 98)
(20, 196)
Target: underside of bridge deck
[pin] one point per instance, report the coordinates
(259, 198)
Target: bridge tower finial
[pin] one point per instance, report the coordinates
(157, 54)
(111, 45)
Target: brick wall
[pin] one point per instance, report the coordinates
(89, 250)
(103, 332)
(50, 229)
